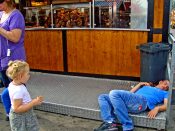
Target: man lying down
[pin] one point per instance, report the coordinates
(118, 103)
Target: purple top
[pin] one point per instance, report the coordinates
(14, 21)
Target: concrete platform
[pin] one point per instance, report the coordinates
(77, 96)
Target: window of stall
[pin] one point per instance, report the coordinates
(38, 17)
(75, 15)
(126, 14)
(130, 14)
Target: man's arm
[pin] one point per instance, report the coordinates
(152, 114)
(134, 89)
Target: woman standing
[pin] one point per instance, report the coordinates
(12, 28)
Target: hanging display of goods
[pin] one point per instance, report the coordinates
(39, 2)
(68, 1)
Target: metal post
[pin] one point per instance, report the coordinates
(52, 13)
(90, 12)
(172, 71)
(166, 19)
(150, 19)
(93, 12)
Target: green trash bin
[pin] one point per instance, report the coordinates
(153, 61)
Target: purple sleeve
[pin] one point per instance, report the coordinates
(16, 21)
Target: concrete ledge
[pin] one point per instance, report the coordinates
(138, 119)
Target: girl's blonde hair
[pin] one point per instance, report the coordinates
(16, 67)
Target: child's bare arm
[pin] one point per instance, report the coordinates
(19, 108)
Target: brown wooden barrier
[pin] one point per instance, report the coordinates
(44, 50)
(158, 18)
(105, 52)
(158, 13)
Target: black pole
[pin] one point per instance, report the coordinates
(165, 30)
(150, 19)
(22, 4)
(64, 39)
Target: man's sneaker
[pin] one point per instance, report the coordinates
(107, 127)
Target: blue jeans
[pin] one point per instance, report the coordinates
(5, 94)
(118, 103)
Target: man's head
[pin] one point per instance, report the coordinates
(163, 84)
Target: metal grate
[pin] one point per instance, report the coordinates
(72, 90)
(77, 96)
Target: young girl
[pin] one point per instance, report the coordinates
(21, 114)
(12, 33)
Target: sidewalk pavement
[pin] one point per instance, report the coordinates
(57, 122)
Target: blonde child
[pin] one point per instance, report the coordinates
(22, 117)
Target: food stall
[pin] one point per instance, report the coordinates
(92, 37)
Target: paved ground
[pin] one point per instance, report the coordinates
(56, 122)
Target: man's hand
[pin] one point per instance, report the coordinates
(144, 84)
(134, 89)
(152, 114)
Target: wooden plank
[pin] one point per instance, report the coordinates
(44, 50)
(157, 38)
(158, 13)
(105, 52)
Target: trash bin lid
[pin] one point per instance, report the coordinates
(154, 47)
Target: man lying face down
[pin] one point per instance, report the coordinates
(118, 103)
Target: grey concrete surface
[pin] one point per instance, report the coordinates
(54, 122)
(57, 122)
